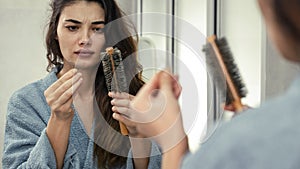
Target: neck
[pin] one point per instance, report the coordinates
(87, 87)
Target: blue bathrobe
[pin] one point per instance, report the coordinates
(26, 144)
(263, 138)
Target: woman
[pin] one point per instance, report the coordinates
(266, 137)
(44, 129)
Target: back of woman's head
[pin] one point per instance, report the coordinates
(288, 15)
(283, 23)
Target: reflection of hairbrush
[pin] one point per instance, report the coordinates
(219, 57)
(115, 78)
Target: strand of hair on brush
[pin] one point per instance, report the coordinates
(110, 52)
(236, 98)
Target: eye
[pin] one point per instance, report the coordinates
(72, 28)
(98, 30)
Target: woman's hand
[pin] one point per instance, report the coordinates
(232, 108)
(155, 111)
(141, 148)
(121, 105)
(59, 95)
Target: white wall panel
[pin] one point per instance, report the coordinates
(22, 54)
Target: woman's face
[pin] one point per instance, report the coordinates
(80, 34)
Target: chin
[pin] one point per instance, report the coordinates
(85, 65)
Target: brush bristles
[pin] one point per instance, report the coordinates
(115, 76)
(231, 66)
(107, 71)
(215, 69)
(114, 73)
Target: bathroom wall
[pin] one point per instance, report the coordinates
(22, 54)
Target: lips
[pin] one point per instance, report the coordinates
(84, 52)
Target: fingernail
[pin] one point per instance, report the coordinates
(115, 115)
(110, 94)
(112, 102)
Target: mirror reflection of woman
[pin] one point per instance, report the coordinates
(49, 122)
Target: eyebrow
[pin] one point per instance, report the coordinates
(78, 22)
(98, 22)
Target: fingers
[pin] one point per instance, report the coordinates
(164, 83)
(63, 84)
(232, 108)
(66, 109)
(122, 110)
(122, 119)
(61, 80)
(229, 107)
(121, 95)
(165, 80)
(120, 102)
(176, 86)
(59, 94)
(147, 89)
(154, 109)
(130, 125)
(66, 91)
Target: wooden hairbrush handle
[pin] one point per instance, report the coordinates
(236, 98)
(123, 129)
(110, 52)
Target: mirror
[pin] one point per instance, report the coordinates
(171, 35)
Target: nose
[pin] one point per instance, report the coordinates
(85, 39)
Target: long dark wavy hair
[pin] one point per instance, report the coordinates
(128, 48)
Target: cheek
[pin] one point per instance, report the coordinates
(65, 43)
(99, 43)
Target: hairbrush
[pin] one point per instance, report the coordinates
(221, 62)
(114, 73)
